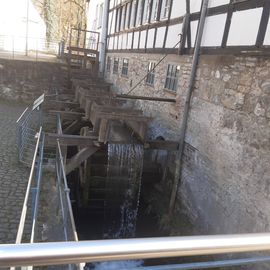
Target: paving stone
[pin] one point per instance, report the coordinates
(13, 175)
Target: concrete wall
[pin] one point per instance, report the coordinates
(25, 80)
(225, 180)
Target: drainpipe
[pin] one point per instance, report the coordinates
(103, 41)
(178, 165)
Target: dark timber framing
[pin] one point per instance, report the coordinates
(263, 24)
(137, 11)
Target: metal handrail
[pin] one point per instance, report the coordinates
(27, 193)
(37, 191)
(125, 249)
(67, 191)
(21, 116)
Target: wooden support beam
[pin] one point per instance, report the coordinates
(263, 24)
(122, 96)
(161, 145)
(68, 115)
(60, 105)
(82, 50)
(79, 158)
(72, 127)
(71, 140)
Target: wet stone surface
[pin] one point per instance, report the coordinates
(13, 175)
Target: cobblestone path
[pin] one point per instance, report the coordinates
(13, 175)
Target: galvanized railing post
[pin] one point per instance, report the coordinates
(38, 187)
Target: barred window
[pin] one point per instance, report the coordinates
(165, 9)
(115, 65)
(109, 63)
(172, 77)
(150, 79)
(125, 67)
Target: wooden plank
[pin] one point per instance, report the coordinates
(161, 145)
(122, 96)
(103, 130)
(71, 140)
(85, 51)
(58, 105)
(263, 24)
(227, 25)
(68, 115)
(79, 158)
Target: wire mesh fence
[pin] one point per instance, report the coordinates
(15, 47)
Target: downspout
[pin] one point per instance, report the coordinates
(179, 157)
(103, 38)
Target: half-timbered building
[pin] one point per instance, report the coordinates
(150, 49)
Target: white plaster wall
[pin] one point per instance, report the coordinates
(150, 40)
(142, 39)
(214, 29)
(111, 23)
(120, 42)
(160, 37)
(110, 44)
(193, 30)
(244, 27)
(173, 35)
(92, 15)
(195, 5)
(215, 3)
(178, 8)
(124, 41)
(267, 35)
(136, 40)
(129, 41)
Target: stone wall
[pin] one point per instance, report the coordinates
(26, 80)
(225, 180)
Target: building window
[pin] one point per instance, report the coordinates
(155, 10)
(115, 65)
(165, 9)
(146, 12)
(172, 77)
(150, 79)
(133, 13)
(109, 63)
(100, 15)
(139, 13)
(127, 20)
(123, 17)
(125, 67)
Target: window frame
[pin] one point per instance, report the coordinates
(125, 67)
(115, 69)
(100, 15)
(108, 64)
(151, 74)
(172, 77)
(165, 9)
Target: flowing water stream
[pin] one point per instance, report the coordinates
(123, 184)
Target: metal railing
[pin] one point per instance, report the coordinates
(84, 39)
(15, 47)
(35, 171)
(144, 248)
(27, 127)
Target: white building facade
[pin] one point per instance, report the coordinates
(224, 174)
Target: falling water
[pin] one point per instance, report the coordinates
(125, 162)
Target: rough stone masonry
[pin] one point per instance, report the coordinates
(225, 185)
